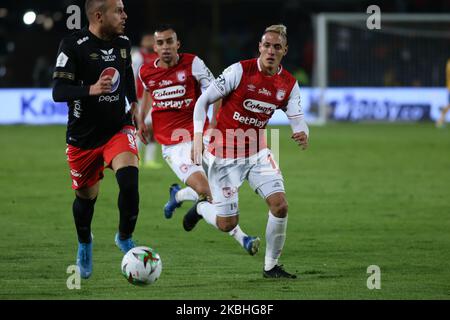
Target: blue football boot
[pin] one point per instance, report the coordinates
(251, 244)
(124, 245)
(84, 259)
(172, 204)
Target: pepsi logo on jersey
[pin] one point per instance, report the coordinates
(114, 74)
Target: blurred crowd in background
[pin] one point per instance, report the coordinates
(222, 32)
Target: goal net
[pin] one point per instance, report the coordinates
(410, 50)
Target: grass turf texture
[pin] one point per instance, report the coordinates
(361, 195)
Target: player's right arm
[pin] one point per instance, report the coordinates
(66, 87)
(221, 87)
(144, 108)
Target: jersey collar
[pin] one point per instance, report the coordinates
(156, 61)
(280, 67)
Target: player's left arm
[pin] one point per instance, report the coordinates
(295, 114)
(205, 77)
(220, 88)
(143, 130)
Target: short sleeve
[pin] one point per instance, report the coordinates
(229, 79)
(201, 73)
(66, 64)
(294, 108)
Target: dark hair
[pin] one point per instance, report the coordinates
(165, 27)
(91, 6)
(146, 33)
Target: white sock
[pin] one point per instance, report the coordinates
(275, 237)
(186, 194)
(208, 212)
(150, 151)
(238, 234)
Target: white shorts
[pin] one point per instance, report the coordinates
(225, 177)
(178, 156)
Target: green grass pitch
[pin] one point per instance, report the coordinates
(372, 194)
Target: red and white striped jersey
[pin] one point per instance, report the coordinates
(174, 92)
(249, 100)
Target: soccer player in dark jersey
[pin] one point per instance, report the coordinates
(93, 75)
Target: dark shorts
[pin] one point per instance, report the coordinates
(86, 166)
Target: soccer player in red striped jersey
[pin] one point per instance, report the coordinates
(251, 91)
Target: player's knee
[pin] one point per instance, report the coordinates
(127, 178)
(203, 192)
(279, 209)
(226, 225)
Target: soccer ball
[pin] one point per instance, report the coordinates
(141, 266)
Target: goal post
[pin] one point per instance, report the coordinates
(410, 50)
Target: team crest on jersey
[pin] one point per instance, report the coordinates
(181, 76)
(123, 53)
(228, 191)
(281, 94)
(184, 168)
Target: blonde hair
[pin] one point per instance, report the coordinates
(277, 28)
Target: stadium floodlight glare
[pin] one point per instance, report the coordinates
(29, 17)
(3, 12)
(48, 23)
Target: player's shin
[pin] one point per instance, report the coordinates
(275, 238)
(208, 212)
(238, 234)
(83, 211)
(128, 201)
(186, 194)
